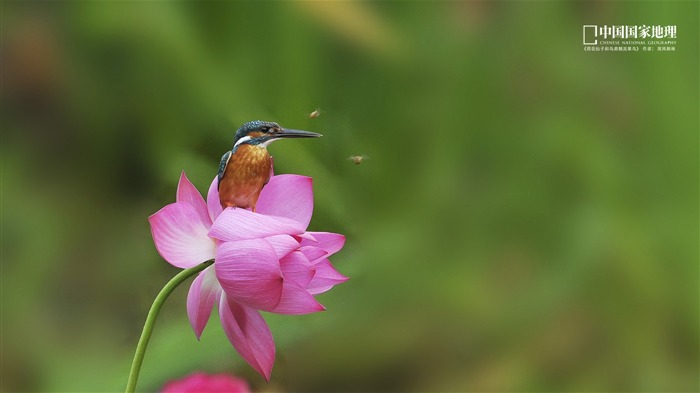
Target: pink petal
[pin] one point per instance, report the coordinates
(288, 196)
(296, 300)
(186, 192)
(204, 292)
(249, 334)
(325, 278)
(249, 272)
(213, 203)
(307, 236)
(313, 253)
(296, 267)
(283, 244)
(181, 236)
(331, 242)
(240, 224)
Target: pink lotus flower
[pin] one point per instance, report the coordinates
(204, 383)
(262, 261)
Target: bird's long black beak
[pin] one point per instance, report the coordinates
(288, 133)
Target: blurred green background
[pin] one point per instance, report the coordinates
(527, 219)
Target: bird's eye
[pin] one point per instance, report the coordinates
(265, 129)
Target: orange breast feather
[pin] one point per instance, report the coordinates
(247, 172)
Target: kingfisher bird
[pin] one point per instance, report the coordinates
(246, 168)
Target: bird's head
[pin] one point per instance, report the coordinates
(265, 132)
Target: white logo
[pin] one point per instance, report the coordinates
(629, 38)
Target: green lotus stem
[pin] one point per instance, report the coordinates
(151, 321)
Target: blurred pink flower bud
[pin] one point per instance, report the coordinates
(205, 383)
